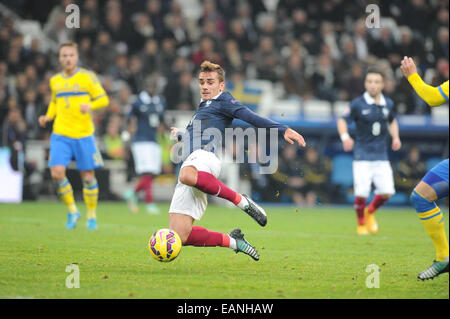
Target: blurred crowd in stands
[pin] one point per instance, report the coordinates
(312, 49)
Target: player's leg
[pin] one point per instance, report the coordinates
(130, 195)
(88, 158)
(433, 186)
(362, 180)
(198, 171)
(201, 237)
(147, 160)
(65, 193)
(148, 192)
(189, 204)
(60, 156)
(153, 169)
(90, 196)
(383, 179)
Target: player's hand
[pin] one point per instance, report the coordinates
(396, 144)
(292, 136)
(174, 133)
(84, 108)
(408, 67)
(348, 144)
(43, 119)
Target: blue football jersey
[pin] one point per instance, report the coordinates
(372, 127)
(217, 114)
(149, 112)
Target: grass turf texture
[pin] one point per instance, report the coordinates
(305, 254)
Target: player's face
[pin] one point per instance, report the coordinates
(209, 85)
(68, 57)
(374, 84)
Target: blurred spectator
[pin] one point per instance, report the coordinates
(409, 171)
(206, 51)
(13, 135)
(353, 83)
(386, 47)
(324, 79)
(316, 173)
(86, 30)
(184, 99)
(136, 74)
(441, 44)
(211, 13)
(150, 56)
(410, 46)
(244, 15)
(267, 61)
(294, 78)
(120, 70)
(441, 74)
(416, 14)
(262, 189)
(114, 147)
(103, 52)
(361, 40)
(168, 54)
(233, 58)
(238, 34)
(287, 179)
(177, 29)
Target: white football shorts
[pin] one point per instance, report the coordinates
(189, 200)
(147, 157)
(378, 172)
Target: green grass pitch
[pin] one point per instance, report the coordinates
(305, 254)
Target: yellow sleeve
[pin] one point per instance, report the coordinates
(51, 110)
(434, 96)
(99, 98)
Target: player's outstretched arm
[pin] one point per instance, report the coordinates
(251, 117)
(292, 136)
(431, 95)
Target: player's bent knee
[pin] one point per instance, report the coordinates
(419, 203)
(57, 173)
(87, 176)
(181, 224)
(188, 176)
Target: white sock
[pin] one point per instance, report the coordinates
(242, 203)
(233, 244)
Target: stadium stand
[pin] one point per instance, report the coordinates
(295, 61)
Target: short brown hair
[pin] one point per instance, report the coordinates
(375, 70)
(208, 66)
(68, 44)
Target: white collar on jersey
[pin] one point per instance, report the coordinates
(370, 100)
(201, 100)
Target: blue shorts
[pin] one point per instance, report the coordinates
(437, 178)
(83, 150)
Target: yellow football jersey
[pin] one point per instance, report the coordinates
(434, 96)
(68, 93)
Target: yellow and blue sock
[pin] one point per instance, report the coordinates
(433, 220)
(90, 195)
(65, 192)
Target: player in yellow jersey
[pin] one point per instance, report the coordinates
(434, 184)
(76, 92)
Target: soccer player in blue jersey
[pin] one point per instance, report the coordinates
(148, 110)
(199, 171)
(374, 118)
(434, 184)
